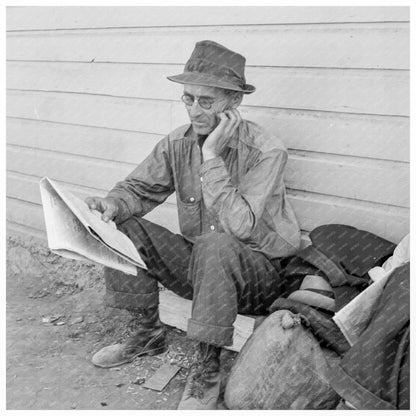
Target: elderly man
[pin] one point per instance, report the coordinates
(234, 218)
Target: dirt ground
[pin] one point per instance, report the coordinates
(56, 320)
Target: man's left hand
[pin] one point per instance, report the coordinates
(219, 137)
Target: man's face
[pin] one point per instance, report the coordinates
(204, 120)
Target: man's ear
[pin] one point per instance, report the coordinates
(236, 100)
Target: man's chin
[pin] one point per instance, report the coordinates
(202, 130)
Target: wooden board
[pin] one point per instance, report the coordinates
(99, 143)
(349, 91)
(367, 136)
(374, 181)
(36, 18)
(151, 116)
(92, 173)
(387, 221)
(349, 45)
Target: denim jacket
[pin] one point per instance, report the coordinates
(240, 192)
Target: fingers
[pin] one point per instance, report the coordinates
(238, 115)
(234, 121)
(92, 202)
(107, 206)
(110, 212)
(223, 120)
(229, 120)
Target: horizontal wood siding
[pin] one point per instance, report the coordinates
(87, 99)
(338, 90)
(50, 18)
(364, 45)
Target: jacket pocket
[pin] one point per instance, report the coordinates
(189, 213)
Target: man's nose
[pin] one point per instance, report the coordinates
(195, 109)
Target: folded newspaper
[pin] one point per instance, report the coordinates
(76, 232)
(354, 317)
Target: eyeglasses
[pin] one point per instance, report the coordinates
(203, 102)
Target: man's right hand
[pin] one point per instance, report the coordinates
(107, 206)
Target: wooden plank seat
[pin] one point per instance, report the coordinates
(175, 311)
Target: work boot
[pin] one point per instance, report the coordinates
(203, 383)
(150, 339)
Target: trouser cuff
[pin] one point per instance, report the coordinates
(220, 336)
(131, 301)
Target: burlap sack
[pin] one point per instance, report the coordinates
(281, 366)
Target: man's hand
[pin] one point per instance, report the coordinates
(219, 137)
(107, 206)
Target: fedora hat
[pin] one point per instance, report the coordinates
(213, 65)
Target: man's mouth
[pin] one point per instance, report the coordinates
(198, 123)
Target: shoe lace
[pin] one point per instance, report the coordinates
(142, 336)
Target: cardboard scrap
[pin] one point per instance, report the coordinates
(161, 377)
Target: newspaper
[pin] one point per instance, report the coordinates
(353, 318)
(76, 232)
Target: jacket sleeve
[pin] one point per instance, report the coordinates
(147, 186)
(239, 208)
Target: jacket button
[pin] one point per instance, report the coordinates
(191, 199)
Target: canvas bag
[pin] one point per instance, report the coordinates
(281, 366)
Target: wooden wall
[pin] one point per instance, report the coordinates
(87, 99)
